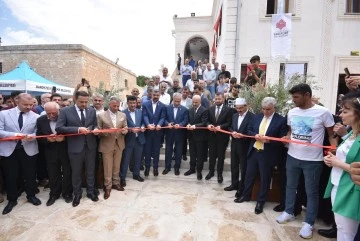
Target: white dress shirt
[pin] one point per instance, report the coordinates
(165, 98)
(154, 106)
(79, 112)
(25, 115)
(241, 118)
(175, 112)
(113, 118)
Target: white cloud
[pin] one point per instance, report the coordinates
(138, 32)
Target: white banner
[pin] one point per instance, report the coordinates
(281, 36)
(32, 86)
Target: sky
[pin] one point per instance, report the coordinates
(138, 32)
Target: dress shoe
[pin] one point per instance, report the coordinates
(142, 168)
(117, 187)
(68, 198)
(209, 176)
(199, 176)
(146, 172)
(93, 197)
(279, 208)
(37, 190)
(51, 201)
(156, 172)
(177, 172)
(238, 193)
(138, 178)
(328, 233)
(242, 199)
(259, 208)
(189, 172)
(76, 201)
(8, 208)
(34, 200)
(166, 171)
(173, 158)
(107, 193)
(96, 191)
(231, 188)
(220, 178)
(184, 157)
(123, 183)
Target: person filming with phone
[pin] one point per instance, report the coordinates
(255, 74)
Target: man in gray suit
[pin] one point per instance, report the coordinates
(81, 148)
(20, 154)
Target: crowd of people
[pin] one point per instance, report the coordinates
(205, 113)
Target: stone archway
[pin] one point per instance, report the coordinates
(197, 47)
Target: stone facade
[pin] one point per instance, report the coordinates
(323, 35)
(67, 64)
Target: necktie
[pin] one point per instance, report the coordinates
(82, 118)
(217, 113)
(259, 144)
(20, 120)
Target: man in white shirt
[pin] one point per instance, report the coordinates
(307, 123)
(166, 78)
(190, 82)
(185, 70)
(165, 98)
(98, 103)
(209, 76)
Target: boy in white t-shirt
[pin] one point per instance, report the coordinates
(307, 122)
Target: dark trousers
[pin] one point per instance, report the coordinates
(177, 139)
(217, 148)
(152, 148)
(258, 161)
(357, 237)
(196, 155)
(58, 165)
(20, 161)
(2, 178)
(77, 161)
(135, 153)
(41, 169)
(238, 164)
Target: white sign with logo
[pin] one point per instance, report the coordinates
(281, 36)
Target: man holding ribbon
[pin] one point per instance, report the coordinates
(19, 154)
(79, 119)
(112, 144)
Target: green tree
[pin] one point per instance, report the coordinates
(140, 80)
(107, 94)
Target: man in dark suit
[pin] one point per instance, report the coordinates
(154, 116)
(198, 90)
(263, 153)
(198, 117)
(239, 146)
(176, 117)
(56, 155)
(20, 154)
(219, 119)
(134, 141)
(81, 148)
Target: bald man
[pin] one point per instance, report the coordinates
(56, 155)
(21, 154)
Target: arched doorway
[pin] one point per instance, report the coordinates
(198, 48)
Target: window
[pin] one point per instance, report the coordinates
(279, 6)
(353, 6)
(292, 70)
(0, 67)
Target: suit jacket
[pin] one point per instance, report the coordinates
(277, 128)
(109, 140)
(205, 101)
(348, 194)
(130, 138)
(182, 118)
(50, 148)
(9, 127)
(69, 122)
(156, 118)
(244, 142)
(199, 119)
(224, 121)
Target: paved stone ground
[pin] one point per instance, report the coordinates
(163, 208)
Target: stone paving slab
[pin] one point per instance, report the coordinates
(162, 208)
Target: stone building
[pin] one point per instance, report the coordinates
(324, 33)
(67, 64)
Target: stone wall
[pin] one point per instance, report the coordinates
(67, 64)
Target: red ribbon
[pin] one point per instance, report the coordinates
(15, 138)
